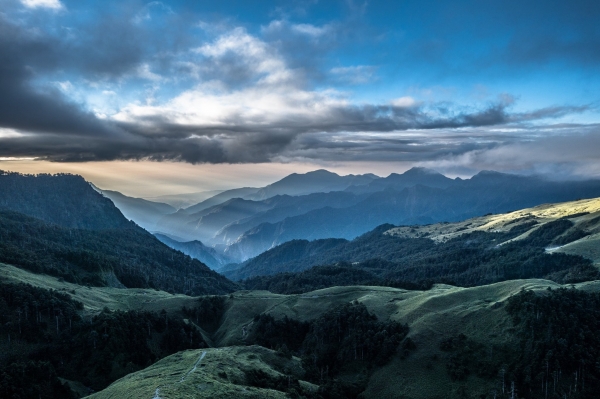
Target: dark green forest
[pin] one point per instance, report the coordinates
(63, 199)
(44, 332)
(59, 225)
(556, 353)
(43, 335)
(86, 257)
(559, 343)
(345, 338)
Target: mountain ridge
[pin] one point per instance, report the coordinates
(144, 212)
(416, 205)
(572, 224)
(60, 225)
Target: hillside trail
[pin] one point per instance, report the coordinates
(194, 368)
(183, 377)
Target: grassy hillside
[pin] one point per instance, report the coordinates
(211, 373)
(433, 316)
(583, 213)
(95, 299)
(48, 332)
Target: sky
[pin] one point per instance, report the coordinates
(163, 97)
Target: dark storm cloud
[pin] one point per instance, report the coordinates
(107, 48)
(55, 127)
(551, 112)
(22, 106)
(344, 133)
(368, 118)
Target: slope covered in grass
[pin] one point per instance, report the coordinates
(246, 372)
(443, 363)
(463, 340)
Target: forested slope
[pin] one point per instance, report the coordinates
(59, 225)
(522, 244)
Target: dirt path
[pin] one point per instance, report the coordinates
(183, 377)
(194, 368)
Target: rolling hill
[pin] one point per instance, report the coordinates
(461, 336)
(461, 339)
(438, 319)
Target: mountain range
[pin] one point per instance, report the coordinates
(207, 255)
(486, 192)
(243, 223)
(145, 213)
(184, 200)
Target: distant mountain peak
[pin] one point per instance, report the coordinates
(493, 174)
(371, 175)
(490, 172)
(419, 170)
(321, 172)
(312, 173)
(418, 174)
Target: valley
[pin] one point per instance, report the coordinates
(241, 224)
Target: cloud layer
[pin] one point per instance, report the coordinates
(115, 89)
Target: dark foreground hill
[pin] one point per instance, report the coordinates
(479, 342)
(59, 225)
